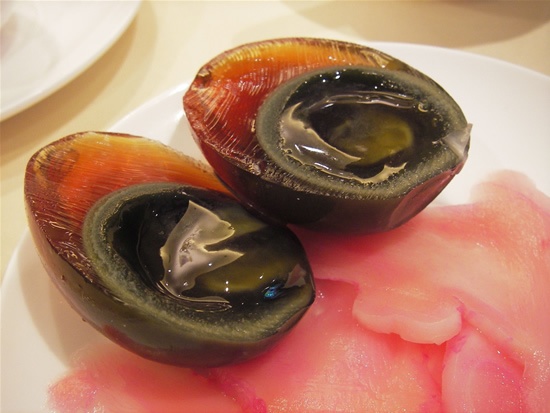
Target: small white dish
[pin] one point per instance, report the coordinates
(47, 44)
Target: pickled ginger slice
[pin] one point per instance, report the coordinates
(485, 265)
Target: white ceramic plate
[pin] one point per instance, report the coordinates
(47, 44)
(507, 104)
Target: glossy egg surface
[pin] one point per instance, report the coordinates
(145, 245)
(395, 138)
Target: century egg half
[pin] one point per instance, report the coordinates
(325, 133)
(148, 247)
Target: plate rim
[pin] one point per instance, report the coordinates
(11, 275)
(27, 100)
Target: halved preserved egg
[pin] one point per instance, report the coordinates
(144, 244)
(324, 133)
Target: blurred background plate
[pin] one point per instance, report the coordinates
(47, 44)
